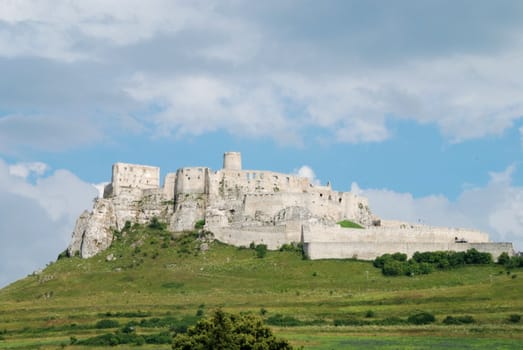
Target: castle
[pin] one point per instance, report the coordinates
(244, 206)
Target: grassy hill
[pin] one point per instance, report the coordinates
(157, 283)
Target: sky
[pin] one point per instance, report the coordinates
(417, 105)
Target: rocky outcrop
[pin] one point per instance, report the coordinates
(94, 231)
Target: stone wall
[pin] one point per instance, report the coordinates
(322, 242)
(192, 180)
(134, 176)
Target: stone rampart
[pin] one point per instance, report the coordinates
(274, 237)
(371, 250)
(134, 176)
(192, 180)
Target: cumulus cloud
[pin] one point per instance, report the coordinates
(307, 172)
(37, 218)
(343, 67)
(496, 208)
(23, 170)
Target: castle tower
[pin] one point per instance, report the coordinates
(232, 161)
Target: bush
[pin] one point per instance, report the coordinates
(504, 259)
(229, 331)
(514, 318)
(261, 250)
(421, 318)
(451, 320)
(107, 323)
(199, 224)
(283, 321)
(394, 268)
(155, 224)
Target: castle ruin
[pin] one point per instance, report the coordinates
(241, 206)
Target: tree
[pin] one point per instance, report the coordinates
(229, 331)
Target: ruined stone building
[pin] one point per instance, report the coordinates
(265, 207)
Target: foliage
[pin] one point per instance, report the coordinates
(454, 320)
(199, 224)
(107, 323)
(63, 255)
(261, 250)
(421, 318)
(349, 224)
(283, 321)
(510, 262)
(156, 224)
(424, 263)
(514, 318)
(229, 331)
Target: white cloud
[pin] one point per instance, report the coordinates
(23, 170)
(338, 68)
(307, 172)
(496, 208)
(37, 219)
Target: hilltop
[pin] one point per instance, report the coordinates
(160, 282)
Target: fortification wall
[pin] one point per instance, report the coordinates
(134, 176)
(371, 250)
(192, 180)
(249, 181)
(322, 233)
(274, 237)
(169, 185)
(334, 205)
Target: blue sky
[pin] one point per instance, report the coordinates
(417, 105)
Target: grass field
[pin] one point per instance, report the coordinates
(154, 276)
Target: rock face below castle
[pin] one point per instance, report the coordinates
(244, 206)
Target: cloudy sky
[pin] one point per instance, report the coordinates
(416, 104)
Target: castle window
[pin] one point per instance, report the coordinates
(330, 197)
(321, 195)
(339, 200)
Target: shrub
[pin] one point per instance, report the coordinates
(155, 224)
(394, 268)
(283, 321)
(63, 255)
(514, 318)
(370, 314)
(451, 320)
(229, 331)
(504, 259)
(421, 318)
(107, 323)
(390, 321)
(261, 250)
(199, 224)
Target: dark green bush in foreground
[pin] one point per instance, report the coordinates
(229, 331)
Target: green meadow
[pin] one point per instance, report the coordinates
(158, 284)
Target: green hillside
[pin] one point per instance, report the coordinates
(156, 283)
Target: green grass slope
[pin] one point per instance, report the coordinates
(157, 283)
